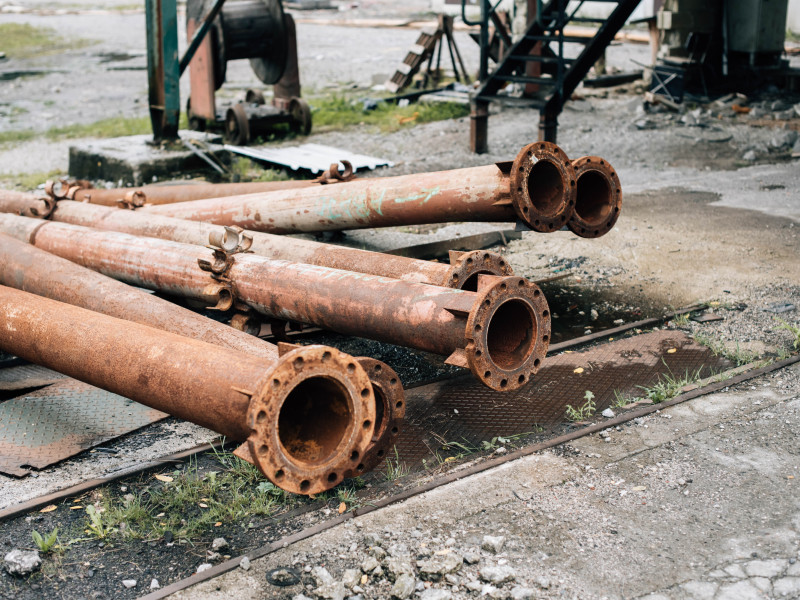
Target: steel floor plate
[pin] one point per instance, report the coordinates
(62, 420)
(24, 377)
(463, 411)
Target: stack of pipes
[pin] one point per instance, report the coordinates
(306, 416)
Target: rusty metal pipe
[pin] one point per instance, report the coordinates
(32, 270)
(598, 197)
(170, 194)
(35, 271)
(462, 272)
(307, 417)
(538, 188)
(501, 332)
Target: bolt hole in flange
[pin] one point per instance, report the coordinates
(313, 420)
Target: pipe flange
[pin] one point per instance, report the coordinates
(598, 198)
(466, 266)
(542, 182)
(390, 411)
(312, 419)
(508, 333)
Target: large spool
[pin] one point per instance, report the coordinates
(251, 29)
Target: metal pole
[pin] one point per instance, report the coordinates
(307, 417)
(501, 332)
(163, 74)
(462, 272)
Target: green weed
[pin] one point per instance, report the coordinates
(96, 526)
(737, 355)
(47, 542)
(586, 411)
(395, 469)
(668, 386)
(793, 330)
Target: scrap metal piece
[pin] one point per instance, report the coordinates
(62, 420)
(311, 157)
(308, 415)
(598, 199)
(264, 244)
(501, 331)
(538, 187)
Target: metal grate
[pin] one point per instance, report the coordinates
(463, 411)
(59, 421)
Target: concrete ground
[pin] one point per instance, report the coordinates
(698, 501)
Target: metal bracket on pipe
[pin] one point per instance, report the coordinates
(226, 244)
(333, 175)
(55, 191)
(133, 200)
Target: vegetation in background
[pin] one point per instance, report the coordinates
(20, 40)
(339, 112)
(586, 411)
(793, 330)
(737, 355)
(668, 386)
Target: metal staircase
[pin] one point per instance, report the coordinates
(550, 85)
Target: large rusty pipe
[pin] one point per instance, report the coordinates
(35, 271)
(32, 270)
(307, 417)
(462, 272)
(538, 188)
(501, 332)
(598, 197)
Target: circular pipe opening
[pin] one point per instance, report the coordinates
(545, 188)
(593, 198)
(314, 419)
(511, 335)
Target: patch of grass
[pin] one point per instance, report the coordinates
(20, 40)
(29, 181)
(339, 112)
(248, 170)
(11, 137)
(395, 469)
(794, 330)
(737, 355)
(586, 411)
(669, 386)
(681, 321)
(105, 128)
(192, 503)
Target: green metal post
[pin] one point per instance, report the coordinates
(163, 71)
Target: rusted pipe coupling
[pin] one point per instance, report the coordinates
(224, 244)
(508, 332)
(542, 185)
(466, 266)
(312, 419)
(133, 200)
(333, 175)
(598, 199)
(55, 191)
(390, 411)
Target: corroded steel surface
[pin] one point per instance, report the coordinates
(462, 271)
(598, 200)
(501, 332)
(540, 192)
(458, 410)
(309, 415)
(25, 377)
(61, 420)
(33, 270)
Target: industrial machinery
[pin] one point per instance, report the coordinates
(257, 30)
(220, 32)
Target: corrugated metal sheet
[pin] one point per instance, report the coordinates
(311, 157)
